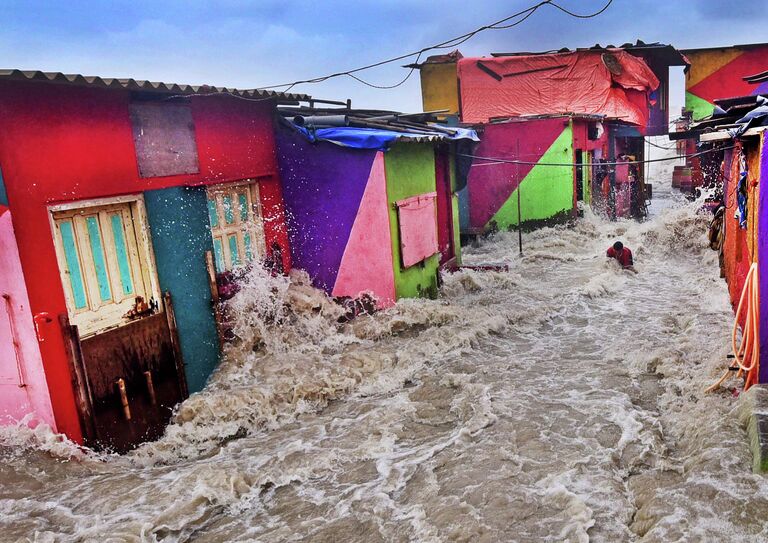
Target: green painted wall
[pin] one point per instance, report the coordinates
(547, 190)
(410, 170)
(178, 222)
(456, 228)
(700, 107)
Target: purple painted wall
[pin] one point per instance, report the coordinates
(762, 257)
(322, 188)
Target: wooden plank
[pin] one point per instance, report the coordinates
(83, 397)
(174, 335)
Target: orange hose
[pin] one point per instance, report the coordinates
(747, 354)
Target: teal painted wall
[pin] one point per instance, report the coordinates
(410, 170)
(178, 221)
(3, 194)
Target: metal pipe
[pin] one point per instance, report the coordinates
(321, 120)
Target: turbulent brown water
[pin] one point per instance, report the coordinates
(559, 401)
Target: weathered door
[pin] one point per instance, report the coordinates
(23, 388)
(445, 240)
(128, 379)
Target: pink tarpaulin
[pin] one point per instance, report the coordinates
(417, 217)
(574, 82)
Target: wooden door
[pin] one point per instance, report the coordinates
(444, 202)
(128, 380)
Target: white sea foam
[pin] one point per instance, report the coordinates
(561, 400)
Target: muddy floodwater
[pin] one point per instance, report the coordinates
(561, 400)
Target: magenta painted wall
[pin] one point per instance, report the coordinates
(18, 401)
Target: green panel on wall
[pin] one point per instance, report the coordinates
(73, 263)
(97, 251)
(178, 222)
(121, 251)
(700, 107)
(547, 190)
(410, 170)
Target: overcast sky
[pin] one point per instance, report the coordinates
(247, 44)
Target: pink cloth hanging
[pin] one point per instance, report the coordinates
(417, 217)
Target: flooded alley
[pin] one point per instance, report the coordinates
(561, 400)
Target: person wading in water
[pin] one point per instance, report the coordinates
(622, 255)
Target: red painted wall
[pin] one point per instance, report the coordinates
(60, 143)
(444, 206)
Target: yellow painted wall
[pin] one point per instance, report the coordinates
(704, 63)
(440, 88)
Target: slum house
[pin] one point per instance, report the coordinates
(613, 95)
(371, 200)
(115, 195)
(716, 73)
(733, 141)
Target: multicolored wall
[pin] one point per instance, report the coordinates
(744, 246)
(336, 206)
(342, 215)
(410, 171)
(718, 73)
(546, 192)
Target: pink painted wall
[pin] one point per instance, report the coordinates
(16, 401)
(367, 264)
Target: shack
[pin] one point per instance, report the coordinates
(620, 93)
(115, 195)
(371, 200)
(733, 142)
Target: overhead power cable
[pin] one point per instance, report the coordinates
(453, 42)
(492, 160)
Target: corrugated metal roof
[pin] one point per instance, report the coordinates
(663, 51)
(715, 48)
(141, 85)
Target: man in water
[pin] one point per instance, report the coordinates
(623, 255)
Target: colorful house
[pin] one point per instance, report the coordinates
(735, 140)
(114, 196)
(370, 200)
(723, 72)
(627, 98)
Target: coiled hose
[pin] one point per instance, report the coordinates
(747, 354)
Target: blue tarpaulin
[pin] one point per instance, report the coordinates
(375, 138)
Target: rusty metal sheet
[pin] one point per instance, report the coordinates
(164, 137)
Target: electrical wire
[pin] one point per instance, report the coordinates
(493, 160)
(453, 42)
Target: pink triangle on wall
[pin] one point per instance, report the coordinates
(367, 264)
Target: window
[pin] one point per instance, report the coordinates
(105, 262)
(236, 224)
